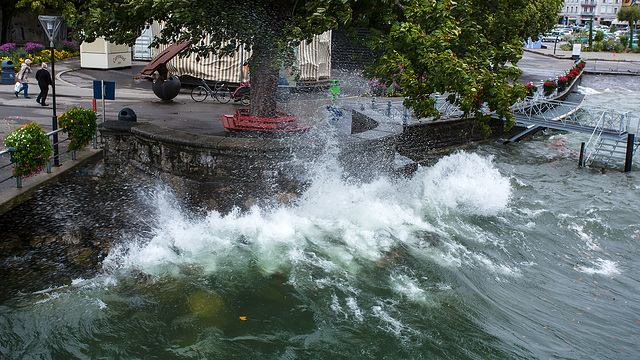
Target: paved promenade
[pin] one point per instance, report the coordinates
(74, 88)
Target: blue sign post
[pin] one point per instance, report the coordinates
(105, 90)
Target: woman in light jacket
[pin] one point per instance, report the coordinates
(23, 78)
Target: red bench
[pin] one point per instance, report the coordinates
(241, 120)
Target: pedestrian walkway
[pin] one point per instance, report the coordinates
(598, 62)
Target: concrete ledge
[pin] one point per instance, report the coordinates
(13, 197)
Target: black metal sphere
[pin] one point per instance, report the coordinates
(167, 89)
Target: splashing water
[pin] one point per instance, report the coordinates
(469, 258)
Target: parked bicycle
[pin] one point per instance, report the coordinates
(220, 92)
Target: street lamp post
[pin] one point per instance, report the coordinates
(51, 26)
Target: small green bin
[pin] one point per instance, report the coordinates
(334, 87)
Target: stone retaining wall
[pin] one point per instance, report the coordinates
(222, 172)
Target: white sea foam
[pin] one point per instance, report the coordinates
(410, 288)
(601, 267)
(467, 182)
(587, 90)
(337, 226)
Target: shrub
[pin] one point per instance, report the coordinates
(8, 47)
(624, 39)
(566, 47)
(81, 126)
(618, 48)
(69, 46)
(33, 149)
(599, 36)
(379, 88)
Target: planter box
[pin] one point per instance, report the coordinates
(102, 54)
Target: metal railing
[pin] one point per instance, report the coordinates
(55, 156)
(395, 109)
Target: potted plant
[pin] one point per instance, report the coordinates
(531, 89)
(563, 81)
(33, 150)
(81, 126)
(549, 87)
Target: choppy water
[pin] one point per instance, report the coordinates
(508, 252)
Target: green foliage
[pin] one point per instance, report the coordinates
(33, 149)
(81, 126)
(624, 40)
(464, 49)
(630, 14)
(599, 36)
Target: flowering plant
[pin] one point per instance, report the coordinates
(81, 125)
(379, 88)
(549, 86)
(32, 47)
(69, 46)
(531, 89)
(8, 47)
(563, 81)
(33, 149)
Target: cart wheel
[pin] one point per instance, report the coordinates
(199, 93)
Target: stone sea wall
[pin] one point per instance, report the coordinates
(227, 171)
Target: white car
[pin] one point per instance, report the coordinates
(550, 37)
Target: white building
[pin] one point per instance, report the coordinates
(579, 12)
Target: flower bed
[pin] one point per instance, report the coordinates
(36, 52)
(562, 82)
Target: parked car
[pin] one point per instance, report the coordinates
(550, 37)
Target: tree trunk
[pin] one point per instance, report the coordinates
(264, 81)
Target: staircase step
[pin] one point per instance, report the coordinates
(608, 156)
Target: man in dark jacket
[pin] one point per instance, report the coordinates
(44, 80)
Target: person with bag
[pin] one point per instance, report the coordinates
(22, 79)
(44, 80)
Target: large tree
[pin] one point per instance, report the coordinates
(630, 14)
(270, 29)
(466, 47)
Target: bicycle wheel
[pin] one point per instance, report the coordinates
(199, 93)
(223, 95)
(245, 100)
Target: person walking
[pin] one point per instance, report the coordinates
(44, 80)
(23, 79)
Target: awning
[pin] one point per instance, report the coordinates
(160, 61)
